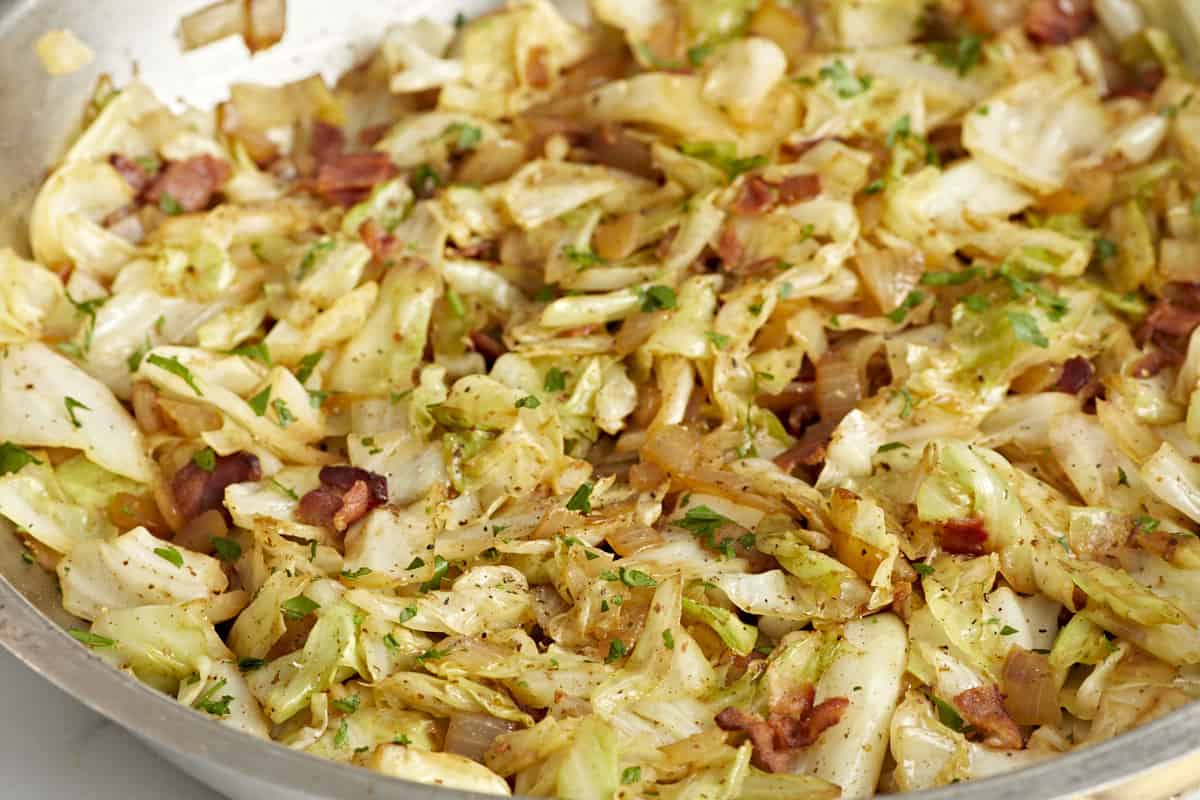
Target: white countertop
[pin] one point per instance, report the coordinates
(52, 747)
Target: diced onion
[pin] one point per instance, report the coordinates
(62, 52)
(1030, 691)
(266, 21)
(212, 23)
(198, 533)
(471, 734)
(629, 541)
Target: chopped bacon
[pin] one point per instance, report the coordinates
(318, 506)
(344, 478)
(1077, 373)
(537, 71)
(382, 244)
(797, 149)
(138, 178)
(344, 497)
(729, 248)
(327, 143)
(348, 177)
(1153, 363)
(356, 502)
(191, 183)
(798, 188)
(756, 197)
(964, 537)
(1168, 318)
(487, 345)
(1058, 21)
(792, 723)
(983, 708)
(196, 490)
(369, 137)
(809, 451)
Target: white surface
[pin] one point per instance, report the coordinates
(53, 748)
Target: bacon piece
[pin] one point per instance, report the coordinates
(798, 188)
(356, 502)
(345, 496)
(964, 537)
(383, 245)
(196, 490)
(344, 478)
(348, 177)
(809, 451)
(792, 723)
(1168, 318)
(191, 183)
(756, 197)
(1057, 21)
(487, 345)
(1077, 373)
(1153, 363)
(537, 71)
(319, 506)
(729, 248)
(983, 708)
(327, 143)
(134, 173)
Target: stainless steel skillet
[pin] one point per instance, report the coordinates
(36, 113)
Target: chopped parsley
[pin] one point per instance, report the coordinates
(456, 303)
(311, 255)
(466, 137)
(408, 613)
(299, 607)
(1026, 329)
(843, 81)
(440, 567)
(657, 298)
(251, 664)
(13, 458)
(923, 569)
(226, 549)
(668, 639)
(582, 257)
(528, 401)
(1122, 478)
(416, 563)
(911, 301)
(205, 459)
(170, 554)
(287, 490)
(347, 705)
(890, 446)
(283, 414)
(948, 715)
(581, 500)
(355, 574)
(1007, 630)
(175, 367)
(631, 775)
(635, 578)
(257, 351)
(90, 639)
(953, 278)
(719, 340)
(343, 734)
(961, 55)
(169, 205)
(74, 405)
(702, 521)
(1105, 249)
(616, 651)
(556, 381)
(217, 707)
(1148, 524)
(307, 364)
(900, 130)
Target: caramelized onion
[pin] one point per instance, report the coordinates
(266, 21)
(889, 275)
(212, 23)
(617, 238)
(470, 734)
(188, 418)
(629, 541)
(198, 533)
(145, 408)
(1030, 690)
(129, 511)
(838, 388)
